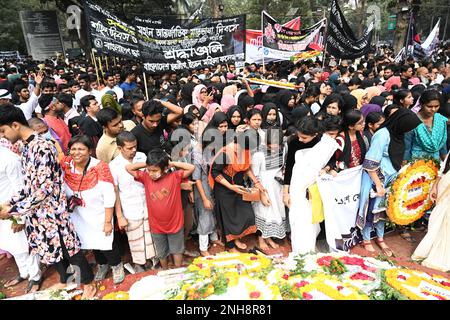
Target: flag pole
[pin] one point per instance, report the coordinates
(145, 84)
(262, 44)
(95, 65)
(326, 43)
(100, 66)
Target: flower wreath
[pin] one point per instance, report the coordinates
(417, 285)
(241, 263)
(408, 199)
(318, 287)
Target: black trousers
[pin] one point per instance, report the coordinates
(78, 260)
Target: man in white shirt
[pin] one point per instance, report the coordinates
(28, 103)
(131, 206)
(111, 85)
(12, 235)
(86, 90)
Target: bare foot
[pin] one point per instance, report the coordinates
(58, 286)
(89, 291)
(262, 243)
(14, 282)
(205, 253)
(272, 243)
(240, 244)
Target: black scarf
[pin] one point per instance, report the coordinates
(400, 122)
(347, 152)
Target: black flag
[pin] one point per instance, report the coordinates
(341, 41)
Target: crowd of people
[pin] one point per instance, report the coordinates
(207, 153)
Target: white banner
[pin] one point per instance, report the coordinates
(340, 197)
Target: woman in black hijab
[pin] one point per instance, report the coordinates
(270, 116)
(380, 168)
(235, 117)
(286, 103)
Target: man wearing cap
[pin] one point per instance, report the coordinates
(28, 103)
(5, 96)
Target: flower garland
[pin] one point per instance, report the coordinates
(319, 287)
(417, 285)
(242, 263)
(408, 199)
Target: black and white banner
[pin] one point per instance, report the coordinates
(109, 34)
(340, 197)
(9, 55)
(175, 44)
(281, 43)
(341, 41)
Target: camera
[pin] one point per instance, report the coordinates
(73, 202)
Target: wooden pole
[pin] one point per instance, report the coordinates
(262, 44)
(100, 66)
(95, 65)
(106, 61)
(145, 85)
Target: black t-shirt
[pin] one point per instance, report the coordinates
(146, 141)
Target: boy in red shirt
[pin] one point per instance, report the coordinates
(163, 195)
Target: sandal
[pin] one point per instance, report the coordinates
(14, 282)
(384, 248)
(33, 286)
(368, 246)
(407, 236)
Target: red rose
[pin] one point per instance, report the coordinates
(324, 261)
(255, 295)
(199, 265)
(402, 277)
(307, 296)
(301, 284)
(285, 276)
(340, 288)
(253, 258)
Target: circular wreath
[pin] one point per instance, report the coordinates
(240, 263)
(417, 285)
(408, 198)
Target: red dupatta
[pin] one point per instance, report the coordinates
(93, 175)
(235, 166)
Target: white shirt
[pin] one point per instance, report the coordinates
(131, 192)
(72, 113)
(89, 219)
(29, 106)
(11, 181)
(80, 94)
(116, 89)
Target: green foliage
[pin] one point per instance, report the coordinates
(288, 292)
(220, 284)
(2, 295)
(385, 291)
(300, 267)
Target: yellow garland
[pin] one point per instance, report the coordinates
(250, 262)
(318, 283)
(119, 295)
(397, 199)
(413, 279)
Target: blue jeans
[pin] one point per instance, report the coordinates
(379, 227)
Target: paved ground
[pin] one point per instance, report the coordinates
(402, 249)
